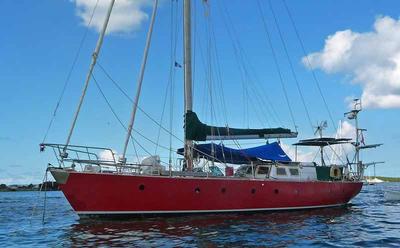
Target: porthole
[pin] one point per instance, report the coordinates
(141, 187)
(197, 190)
(276, 191)
(223, 190)
(253, 191)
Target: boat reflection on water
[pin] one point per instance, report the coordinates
(283, 228)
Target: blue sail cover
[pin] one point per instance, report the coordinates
(228, 155)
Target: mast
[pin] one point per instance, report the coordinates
(357, 145)
(89, 75)
(140, 81)
(188, 101)
(353, 115)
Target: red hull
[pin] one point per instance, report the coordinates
(136, 194)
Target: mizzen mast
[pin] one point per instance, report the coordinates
(95, 55)
(359, 144)
(188, 99)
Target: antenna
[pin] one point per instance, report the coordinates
(357, 107)
(357, 104)
(319, 128)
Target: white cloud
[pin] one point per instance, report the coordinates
(371, 59)
(108, 156)
(346, 130)
(339, 153)
(20, 179)
(302, 155)
(127, 15)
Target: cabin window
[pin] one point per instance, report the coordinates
(281, 171)
(263, 170)
(249, 170)
(294, 171)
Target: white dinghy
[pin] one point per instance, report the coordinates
(392, 195)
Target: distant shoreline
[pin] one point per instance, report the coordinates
(53, 186)
(47, 186)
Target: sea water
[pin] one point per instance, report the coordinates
(369, 221)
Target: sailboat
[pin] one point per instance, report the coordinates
(372, 181)
(267, 179)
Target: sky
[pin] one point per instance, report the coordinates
(352, 47)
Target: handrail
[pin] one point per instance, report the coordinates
(79, 149)
(62, 145)
(69, 148)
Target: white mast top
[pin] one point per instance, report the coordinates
(89, 75)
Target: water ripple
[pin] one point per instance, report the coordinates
(369, 221)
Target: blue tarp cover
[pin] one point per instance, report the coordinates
(228, 155)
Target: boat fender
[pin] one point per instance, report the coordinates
(335, 172)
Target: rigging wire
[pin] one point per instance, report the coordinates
(114, 113)
(290, 63)
(212, 76)
(210, 38)
(140, 78)
(219, 76)
(162, 115)
(314, 76)
(209, 68)
(317, 83)
(174, 20)
(212, 61)
(155, 121)
(151, 141)
(126, 129)
(211, 35)
(70, 72)
(263, 100)
(208, 96)
(171, 99)
(171, 118)
(276, 62)
(241, 56)
(247, 66)
(131, 100)
(148, 116)
(173, 73)
(213, 57)
(207, 102)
